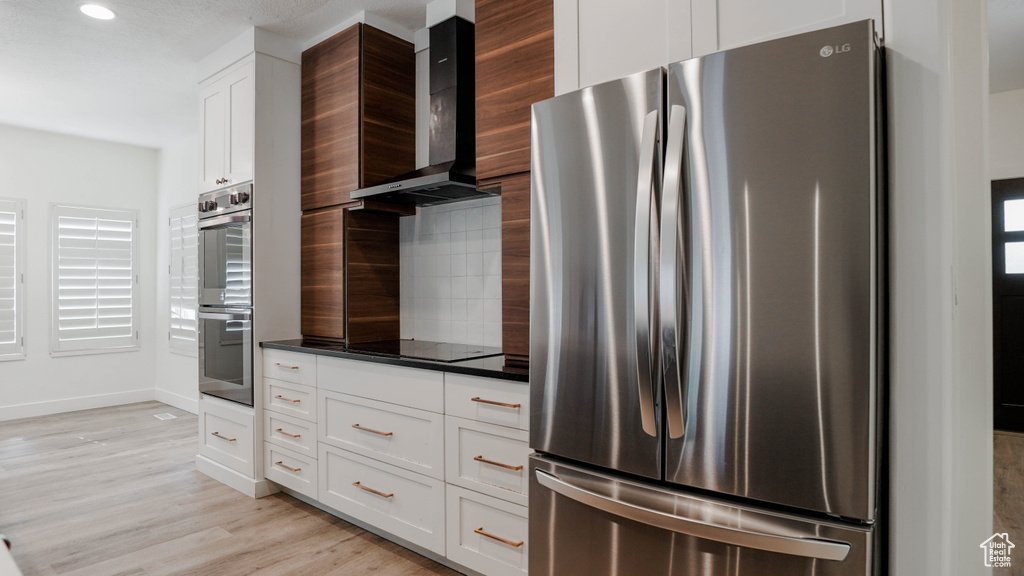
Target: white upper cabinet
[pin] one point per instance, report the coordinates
(227, 124)
(601, 40)
(617, 39)
(723, 24)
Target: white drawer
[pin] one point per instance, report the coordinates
(292, 433)
(289, 366)
(404, 503)
(487, 534)
(488, 458)
(226, 435)
(291, 470)
(412, 439)
(290, 398)
(501, 402)
(423, 389)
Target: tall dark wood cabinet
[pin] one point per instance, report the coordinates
(358, 129)
(515, 67)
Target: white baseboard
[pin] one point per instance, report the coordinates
(249, 486)
(178, 401)
(73, 404)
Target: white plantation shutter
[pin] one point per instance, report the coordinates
(95, 282)
(184, 278)
(12, 250)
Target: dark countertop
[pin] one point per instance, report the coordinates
(491, 367)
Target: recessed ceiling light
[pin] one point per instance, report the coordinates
(96, 11)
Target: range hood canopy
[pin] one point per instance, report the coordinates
(451, 175)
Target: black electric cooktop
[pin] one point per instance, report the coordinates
(423, 350)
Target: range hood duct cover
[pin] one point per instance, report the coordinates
(451, 175)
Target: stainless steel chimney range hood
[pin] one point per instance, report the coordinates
(451, 175)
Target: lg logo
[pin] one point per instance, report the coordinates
(830, 50)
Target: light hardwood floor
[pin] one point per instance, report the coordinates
(114, 492)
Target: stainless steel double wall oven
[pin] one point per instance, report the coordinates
(225, 294)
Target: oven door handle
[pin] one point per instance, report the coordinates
(225, 220)
(226, 315)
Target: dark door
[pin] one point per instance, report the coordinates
(1008, 302)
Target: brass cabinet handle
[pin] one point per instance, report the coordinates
(279, 365)
(218, 435)
(282, 465)
(371, 490)
(481, 532)
(279, 397)
(281, 430)
(499, 464)
(492, 402)
(364, 429)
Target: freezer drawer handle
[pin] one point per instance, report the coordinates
(806, 547)
(481, 532)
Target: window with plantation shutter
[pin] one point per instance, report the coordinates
(95, 280)
(184, 279)
(12, 259)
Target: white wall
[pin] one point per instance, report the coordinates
(176, 374)
(940, 326)
(1006, 134)
(46, 168)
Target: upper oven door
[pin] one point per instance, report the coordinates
(225, 261)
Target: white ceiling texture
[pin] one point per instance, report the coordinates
(133, 79)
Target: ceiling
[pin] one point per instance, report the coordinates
(133, 79)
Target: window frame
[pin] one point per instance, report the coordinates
(57, 348)
(176, 340)
(16, 350)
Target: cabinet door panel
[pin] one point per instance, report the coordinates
(724, 24)
(240, 93)
(330, 120)
(323, 273)
(616, 42)
(212, 135)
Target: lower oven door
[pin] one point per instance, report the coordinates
(225, 353)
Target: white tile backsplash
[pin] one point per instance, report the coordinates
(451, 273)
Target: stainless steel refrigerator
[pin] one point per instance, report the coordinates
(707, 316)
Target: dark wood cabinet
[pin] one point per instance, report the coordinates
(358, 114)
(350, 275)
(358, 129)
(515, 67)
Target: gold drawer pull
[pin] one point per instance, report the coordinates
(481, 532)
(364, 429)
(279, 365)
(281, 430)
(377, 492)
(279, 397)
(218, 435)
(499, 464)
(282, 465)
(492, 402)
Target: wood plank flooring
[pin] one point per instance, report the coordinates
(114, 492)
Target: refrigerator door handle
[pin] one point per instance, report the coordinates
(645, 193)
(668, 292)
(805, 547)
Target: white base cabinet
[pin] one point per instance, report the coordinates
(226, 435)
(437, 460)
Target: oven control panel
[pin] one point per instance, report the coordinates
(225, 201)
